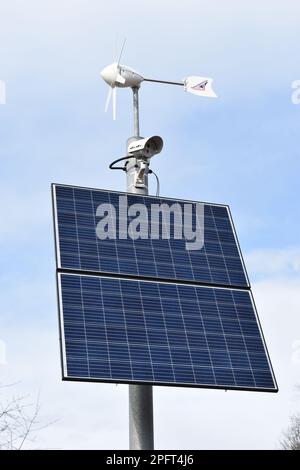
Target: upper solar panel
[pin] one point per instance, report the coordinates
(132, 242)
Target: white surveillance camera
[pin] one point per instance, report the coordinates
(145, 148)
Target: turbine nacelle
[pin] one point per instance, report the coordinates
(121, 76)
(116, 75)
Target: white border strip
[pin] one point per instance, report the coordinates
(61, 328)
(2, 92)
(238, 245)
(57, 244)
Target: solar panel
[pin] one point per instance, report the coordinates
(163, 333)
(218, 262)
(137, 306)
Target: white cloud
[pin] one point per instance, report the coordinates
(2, 353)
(274, 262)
(296, 352)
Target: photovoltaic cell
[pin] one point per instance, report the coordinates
(219, 262)
(142, 331)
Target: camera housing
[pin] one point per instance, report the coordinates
(145, 148)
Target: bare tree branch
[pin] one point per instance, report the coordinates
(291, 437)
(18, 421)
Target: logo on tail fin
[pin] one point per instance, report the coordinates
(200, 86)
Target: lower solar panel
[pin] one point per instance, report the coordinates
(132, 331)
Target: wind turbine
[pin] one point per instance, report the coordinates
(139, 148)
(122, 76)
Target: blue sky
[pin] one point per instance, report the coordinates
(241, 149)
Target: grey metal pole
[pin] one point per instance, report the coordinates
(140, 396)
(136, 119)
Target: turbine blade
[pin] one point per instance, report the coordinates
(108, 99)
(121, 51)
(114, 97)
(116, 49)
